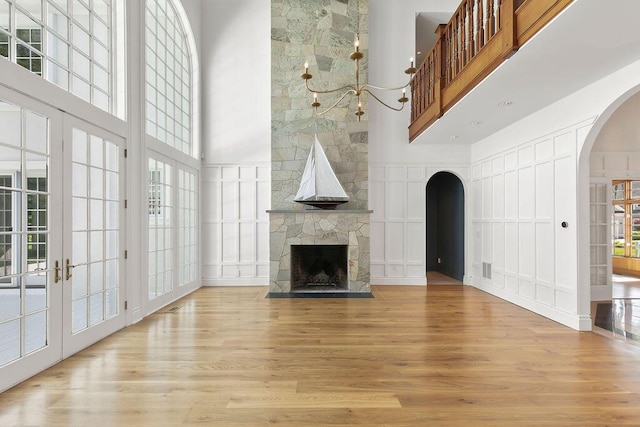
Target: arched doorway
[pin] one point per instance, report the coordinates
(445, 225)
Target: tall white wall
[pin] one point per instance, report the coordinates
(236, 141)
(399, 171)
(529, 178)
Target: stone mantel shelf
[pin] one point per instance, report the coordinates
(328, 211)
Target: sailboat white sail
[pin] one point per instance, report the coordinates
(319, 185)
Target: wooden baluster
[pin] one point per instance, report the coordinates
(498, 15)
(490, 23)
(470, 51)
(480, 24)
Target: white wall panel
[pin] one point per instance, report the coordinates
(533, 259)
(543, 150)
(525, 155)
(247, 242)
(545, 252)
(230, 250)
(498, 246)
(565, 205)
(395, 202)
(544, 190)
(235, 199)
(477, 243)
(247, 202)
(416, 243)
(395, 238)
(544, 294)
(526, 192)
(511, 194)
(487, 198)
(511, 283)
(416, 193)
(498, 196)
(487, 242)
(565, 143)
(527, 289)
(527, 246)
(477, 199)
(230, 200)
(511, 247)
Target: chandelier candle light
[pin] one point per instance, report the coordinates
(358, 89)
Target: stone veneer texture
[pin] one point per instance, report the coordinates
(319, 228)
(320, 32)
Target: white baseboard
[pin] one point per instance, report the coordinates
(236, 281)
(574, 321)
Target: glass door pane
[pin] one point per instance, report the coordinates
(94, 254)
(30, 296)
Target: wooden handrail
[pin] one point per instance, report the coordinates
(480, 35)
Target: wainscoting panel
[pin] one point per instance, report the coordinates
(235, 248)
(397, 196)
(523, 193)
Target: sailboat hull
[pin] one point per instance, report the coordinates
(322, 204)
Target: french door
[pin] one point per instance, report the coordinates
(61, 231)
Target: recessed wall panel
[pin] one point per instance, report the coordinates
(526, 249)
(230, 242)
(498, 246)
(487, 198)
(229, 200)
(511, 242)
(415, 242)
(526, 193)
(247, 242)
(511, 195)
(545, 252)
(498, 196)
(247, 200)
(395, 242)
(544, 190)
(395, 200)
(415, 200)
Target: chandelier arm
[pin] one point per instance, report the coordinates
(351, 89)
(387, 88)
(334, 104)
(382, 102)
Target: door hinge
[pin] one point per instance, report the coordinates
(126, 203)
(125, 153)
(126, 254)
(126, 305)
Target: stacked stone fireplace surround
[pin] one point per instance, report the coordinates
(320, 33)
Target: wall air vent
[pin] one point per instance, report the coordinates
(486, 270)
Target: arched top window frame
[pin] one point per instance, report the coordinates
(156, 140)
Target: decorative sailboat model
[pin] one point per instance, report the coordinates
(319, 186)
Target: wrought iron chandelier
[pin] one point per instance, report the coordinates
(358, 88)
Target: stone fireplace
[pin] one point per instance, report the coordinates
(322, 34)
(291, 230)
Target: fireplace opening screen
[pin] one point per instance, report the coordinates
(319, 268)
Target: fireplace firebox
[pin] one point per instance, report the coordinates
(319, 268)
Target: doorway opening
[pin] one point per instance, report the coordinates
(445, 225)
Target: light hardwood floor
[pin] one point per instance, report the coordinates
(412, 356)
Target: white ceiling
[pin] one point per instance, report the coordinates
(586, 42)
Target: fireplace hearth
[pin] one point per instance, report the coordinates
(319, 268)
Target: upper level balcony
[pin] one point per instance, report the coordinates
(529, 53)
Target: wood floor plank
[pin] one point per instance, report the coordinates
(411, 356)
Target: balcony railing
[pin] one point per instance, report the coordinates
(479, 37)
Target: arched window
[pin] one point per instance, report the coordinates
(169, 77)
